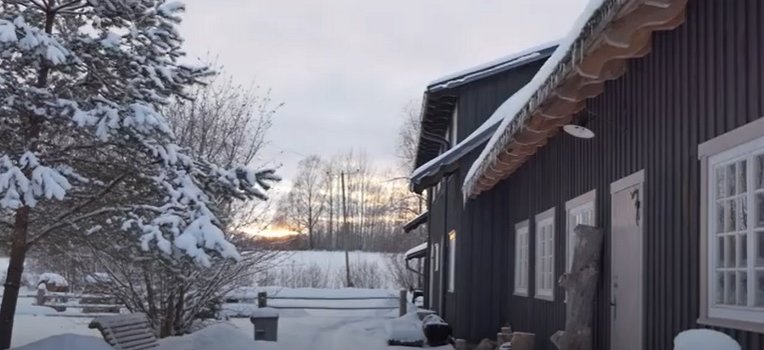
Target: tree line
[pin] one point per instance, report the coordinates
(345, 202)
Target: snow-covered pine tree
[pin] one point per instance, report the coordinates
(81, 84)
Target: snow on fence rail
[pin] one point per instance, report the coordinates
(242, 304)
(87, 303)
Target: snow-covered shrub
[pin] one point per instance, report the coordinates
(294, 275)
(366, 274)
(174, 294)
(403, 277)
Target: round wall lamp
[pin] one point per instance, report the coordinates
(579, 129)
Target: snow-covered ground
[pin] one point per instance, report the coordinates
(305, 332)
(326, 269)
(365, 329)
(299, 328)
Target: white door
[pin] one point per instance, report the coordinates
(626, 263)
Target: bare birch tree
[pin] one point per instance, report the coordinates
(303, 206)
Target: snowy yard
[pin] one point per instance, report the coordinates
(311, 330)
(298, 328)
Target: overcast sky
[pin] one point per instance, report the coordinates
(346, 68)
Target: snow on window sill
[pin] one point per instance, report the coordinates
(732, 324)
(541, 295)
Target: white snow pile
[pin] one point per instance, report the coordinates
(704, 339)
(265, 312)
(98, 277)
(68, 342)
(296, 293)
(219, 336)
(511, 108)
(405, 329)
(52, 279)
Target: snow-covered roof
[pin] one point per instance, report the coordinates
(594, 51)
(520, 101)
(444, 163)
(416, 222)
(441, 95)
(494, 67)
(417, 251)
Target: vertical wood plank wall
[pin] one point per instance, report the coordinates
(701, 80)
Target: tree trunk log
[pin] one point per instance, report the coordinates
(580, 285)
(13, 278)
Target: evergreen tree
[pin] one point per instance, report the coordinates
(83, 143)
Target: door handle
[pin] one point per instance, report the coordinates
(615, 309)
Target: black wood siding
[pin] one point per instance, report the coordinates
(701, 80)
(477, 102)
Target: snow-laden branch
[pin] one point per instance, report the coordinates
(90, 94)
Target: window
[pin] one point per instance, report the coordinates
(435, 257)
(580, 210)
(732, 240)
(452, 261)
(521, 258)
(545, 255)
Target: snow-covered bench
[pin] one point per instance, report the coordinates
(126, 332)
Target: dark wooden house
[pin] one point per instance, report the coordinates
(674, 176)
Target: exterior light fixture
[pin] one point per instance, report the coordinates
(579, 129)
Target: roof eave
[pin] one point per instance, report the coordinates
(619, 31)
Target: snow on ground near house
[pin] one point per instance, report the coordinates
(298, 328)
(311, 330)
(335, 332)
(68, 342)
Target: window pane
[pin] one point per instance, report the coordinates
(731, 216)
(759, 248)
(720, 193)
(729, 288)
(742, 251)
(742, 213)
(758, 171)
(741, 176)
(742, 288)
(729, 245)
(719, 288)
(759, 204)
(730, 179)
(759, 302)
(720, 250)
(720, 217)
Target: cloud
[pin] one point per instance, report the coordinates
(347, 68)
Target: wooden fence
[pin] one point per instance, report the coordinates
(104, 303)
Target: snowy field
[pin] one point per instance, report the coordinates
(326, 269)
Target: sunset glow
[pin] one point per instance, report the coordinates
(275, 231)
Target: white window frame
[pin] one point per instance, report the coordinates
(522, 258)
(436, 257)
(586, 202)
(545, 278)
(745, 142)
(452, 261)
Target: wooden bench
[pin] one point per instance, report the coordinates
(126, 332)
